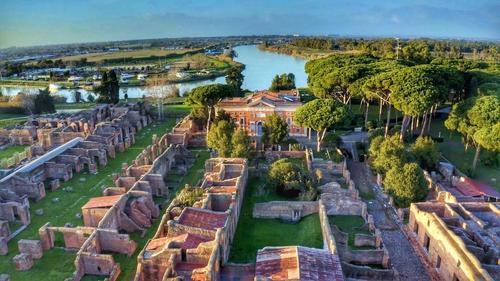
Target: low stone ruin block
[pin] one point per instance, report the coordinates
(23, 262)
(4, 228)
(55, 184)
(4, 248)
(32, 247)
(4, 277)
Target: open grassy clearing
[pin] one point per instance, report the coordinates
(254, 234)
(12, 121)
(57, 263)
(350, 225)
(454, 151)
(9, 151)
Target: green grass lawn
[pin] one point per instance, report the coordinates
(350, 225)
(9, 151)
(7, 121)
(56, 263)
(254, 234)
(453, 149)
(81, 105)
(11, 116)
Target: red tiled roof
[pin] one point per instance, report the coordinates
(204, 219)
(156, 243)
(265, 96)
(470, 187)
(101, 202)
(187, 240)
(297, 263)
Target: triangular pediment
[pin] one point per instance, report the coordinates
(261, 102)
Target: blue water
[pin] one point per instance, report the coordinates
(260, 69)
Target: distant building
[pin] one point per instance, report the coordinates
(250, 112)
(142, 76)
(181, 74)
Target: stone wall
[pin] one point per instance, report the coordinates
(328, 238)
(224, 182)
(285, 210)
(456, 240)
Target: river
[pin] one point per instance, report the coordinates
(260, 68)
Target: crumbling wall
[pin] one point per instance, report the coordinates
(285, 210)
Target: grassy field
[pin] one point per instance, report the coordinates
(81, 105)
(453, 150)
(350, 225)
(136, 54)
(4, 122)
(9, 151)
(254, 234)
(57, 264)
(31, 83)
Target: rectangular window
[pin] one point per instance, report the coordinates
(415, 228)
(438, 262)
(427, 242)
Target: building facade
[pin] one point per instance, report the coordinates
(250, 112)
(459, 239)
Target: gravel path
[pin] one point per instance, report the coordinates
(403, 257)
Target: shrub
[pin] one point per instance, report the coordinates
(387, 153)
(406, 184)
(288, 178)
(426, 152)
(375, 133)
(188, 196)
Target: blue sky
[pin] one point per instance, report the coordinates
(40, 22)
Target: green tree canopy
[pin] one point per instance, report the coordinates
(283, 82)
(44, 102)
(321, 115)
(331, 77)
(275, 129)
(207, 97)
(287, 178)
(426, 152)
(109, 90)
(415, 90)
(240, 143)
(406, 184)
(476, 119)
(387, 153)
(234, 77)
(219, 138)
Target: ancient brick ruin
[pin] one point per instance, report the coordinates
(126, 207)
(192, 243)
(297, 263)
(63, 146)
(458, 237)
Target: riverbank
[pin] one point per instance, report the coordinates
(299, 52)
